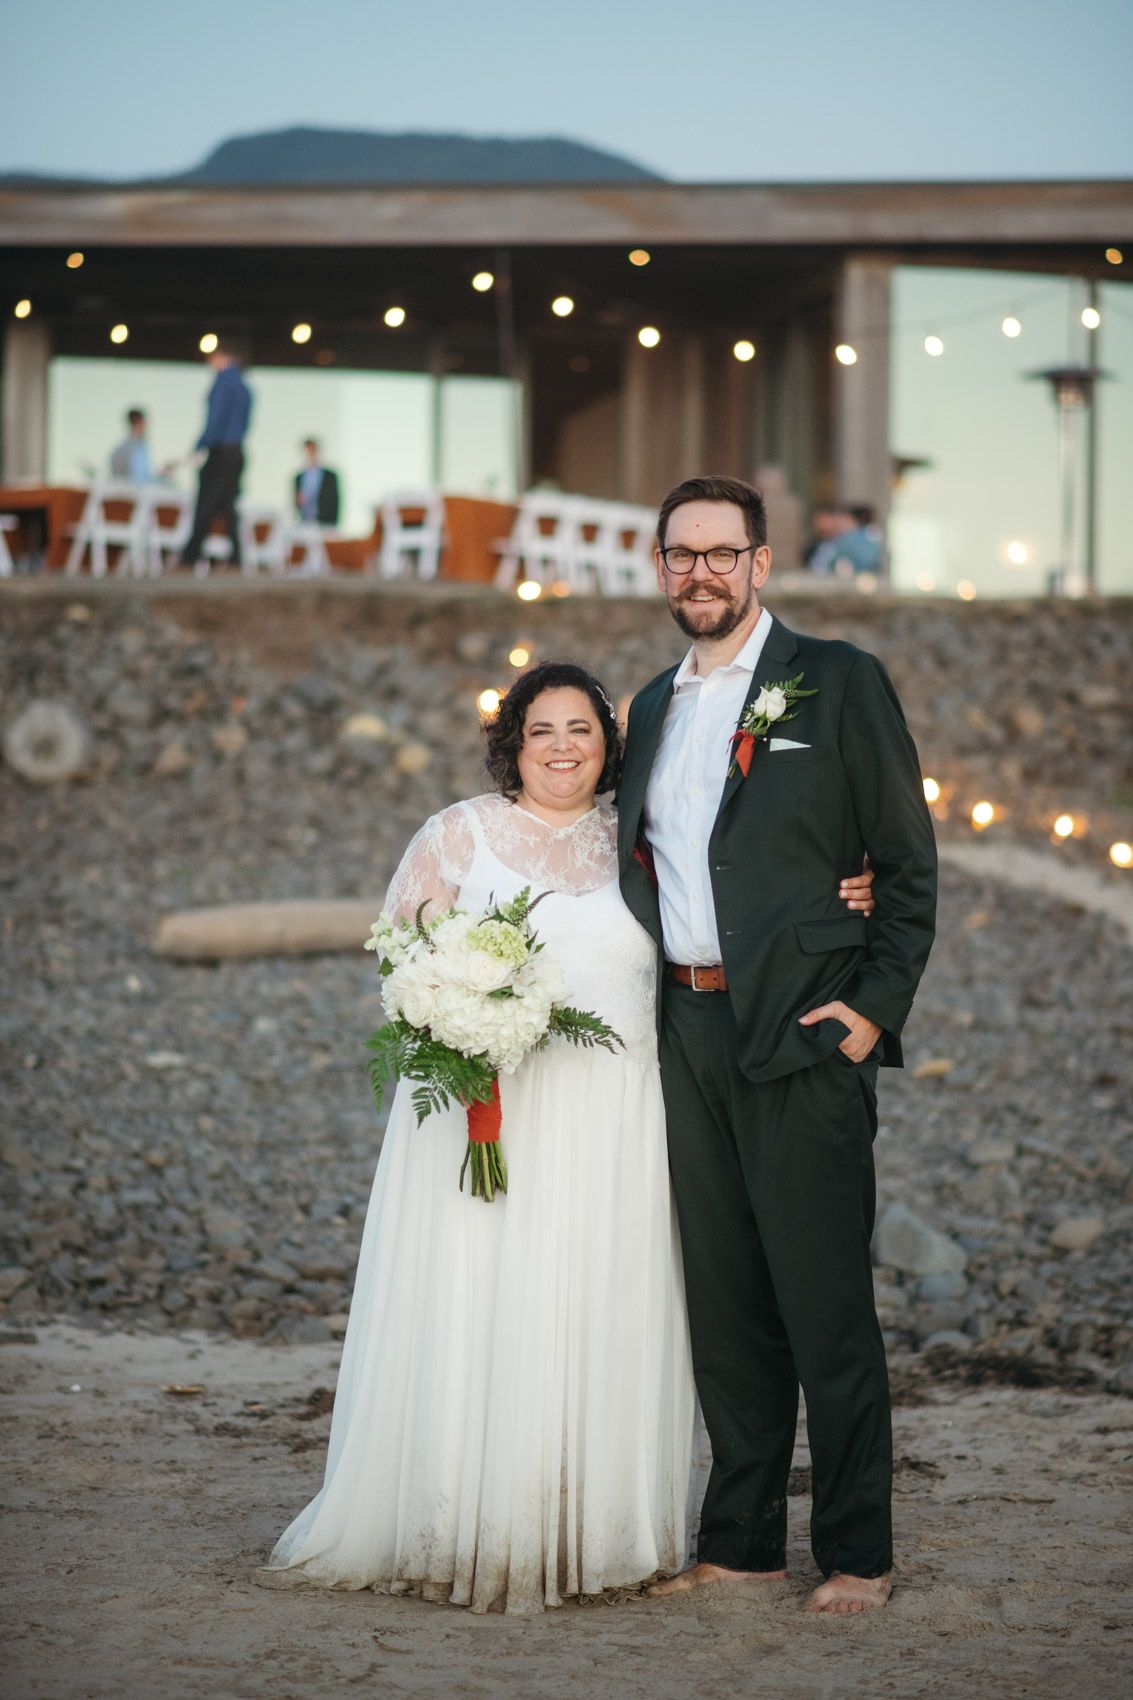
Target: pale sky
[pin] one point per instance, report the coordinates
(713, 91)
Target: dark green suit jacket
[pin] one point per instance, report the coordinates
(784, 837)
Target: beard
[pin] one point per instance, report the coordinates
(726, 615)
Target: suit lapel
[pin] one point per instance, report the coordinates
(642, 750)
(775, 656)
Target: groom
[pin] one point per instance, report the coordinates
(777, 1007)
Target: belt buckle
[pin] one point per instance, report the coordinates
(693, 972)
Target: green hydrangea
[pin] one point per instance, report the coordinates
(500, 939)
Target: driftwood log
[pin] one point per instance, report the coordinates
(266, 929)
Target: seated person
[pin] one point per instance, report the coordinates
(316, 488)
(130, 461)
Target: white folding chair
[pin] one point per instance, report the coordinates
(8, 522)
(627, 565)
(413, 529)
(168, 523)
(261, 538)
(304, 548)
(543, 539)
(104, 525)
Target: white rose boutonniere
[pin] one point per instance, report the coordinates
(774, 703)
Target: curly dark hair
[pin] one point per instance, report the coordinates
(504, 732)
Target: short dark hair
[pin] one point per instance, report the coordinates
(504, 732)
(310, 443)
(233, 346)
(863, 513)
(135, 416)
(717, 489)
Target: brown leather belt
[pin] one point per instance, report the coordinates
(711, 979)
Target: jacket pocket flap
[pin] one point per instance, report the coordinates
(842, 932)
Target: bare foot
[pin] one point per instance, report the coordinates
(702, 1575)
(842, 1594)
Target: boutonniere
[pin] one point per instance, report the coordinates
(773, 704)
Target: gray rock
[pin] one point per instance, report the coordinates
(299, 1331)
(902, 1241)
(12, 1278)
(949, 1337)
(949, 1284)
(1077, 1233)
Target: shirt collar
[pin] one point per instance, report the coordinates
(745, 662)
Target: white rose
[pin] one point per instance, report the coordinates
(413, 993)
(486, 973)
(771, 701)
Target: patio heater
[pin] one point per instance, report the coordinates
(1072, 390)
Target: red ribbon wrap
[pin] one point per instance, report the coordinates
(484, 1119)
(744, 743)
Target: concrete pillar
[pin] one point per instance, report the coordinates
(861, 391)
(27, 356)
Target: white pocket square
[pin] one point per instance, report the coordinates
(786, 744)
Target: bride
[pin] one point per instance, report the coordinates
(513, 1422)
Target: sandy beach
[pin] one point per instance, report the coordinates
(138, 1514)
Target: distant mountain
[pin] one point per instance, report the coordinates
(304, 155)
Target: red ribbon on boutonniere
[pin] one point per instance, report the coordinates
(743, 743)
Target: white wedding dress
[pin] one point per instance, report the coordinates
(514, 1416)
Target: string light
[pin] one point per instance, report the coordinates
(562, 306)
(649, 336)
(1091, 318)
(529, 590)
(925, 582)
(744, 350)
(934, 346)
(519, 656)
(301, 333)
(1114, 256)
(22, 308)
(394, 317)
(75, 260)
(932, 791)
(488, 702)
(560, 587)
(1017, 552)
(209, 343)
(846, 354)
(482, 282)
(966, 590)
(119, 333)
(1121, 855)
(1064, 826)
(1011, 326)
(639, 256)
(982, 815)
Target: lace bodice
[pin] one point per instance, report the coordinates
(570, 859)
(489, 849)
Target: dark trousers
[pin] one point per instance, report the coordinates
(774, 1188)
(217, 491)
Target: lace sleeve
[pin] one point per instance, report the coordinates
(434, 866)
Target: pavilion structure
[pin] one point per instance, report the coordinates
(647, 376)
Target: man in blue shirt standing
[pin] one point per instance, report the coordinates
(229, 410)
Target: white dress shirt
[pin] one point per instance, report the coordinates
(683, 795)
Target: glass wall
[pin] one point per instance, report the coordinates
(381, 431)
(983, 512)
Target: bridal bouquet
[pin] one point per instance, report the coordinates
(467, 999)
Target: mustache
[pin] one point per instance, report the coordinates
(717, 595)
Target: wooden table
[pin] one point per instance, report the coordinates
(46, 513)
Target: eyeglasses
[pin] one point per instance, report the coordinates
(720, 560)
